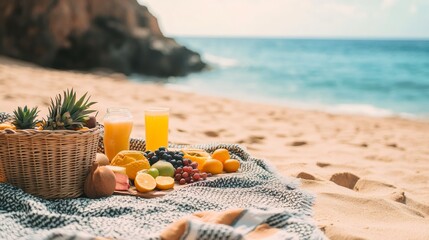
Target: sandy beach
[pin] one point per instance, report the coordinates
(370, 176)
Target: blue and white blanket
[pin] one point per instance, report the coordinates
(255, 187)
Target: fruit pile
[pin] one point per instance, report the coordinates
(162, 168)
(216, 163)
(184, 170)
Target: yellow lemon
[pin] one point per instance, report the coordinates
(164, 183)
(144, 182)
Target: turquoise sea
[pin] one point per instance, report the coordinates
(373, 77)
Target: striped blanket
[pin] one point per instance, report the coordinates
(257, 190)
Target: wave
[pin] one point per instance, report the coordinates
(361, 109)
(355, 109)
(221, 62)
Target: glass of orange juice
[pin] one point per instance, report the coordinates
(118, 124)
(156, 123)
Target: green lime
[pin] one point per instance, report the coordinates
(153, 172)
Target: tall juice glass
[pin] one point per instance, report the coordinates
(118, 124)
(156, 123)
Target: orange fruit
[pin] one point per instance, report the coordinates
(134, 167)
(164, 183)
(231, 165)
(213, 166)
(144, 182)
(221, 154)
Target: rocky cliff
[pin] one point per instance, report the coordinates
(119, 35)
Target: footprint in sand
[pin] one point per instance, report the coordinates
(256, 139)
(166, 98)
(322, 164)
(345, 179)
(298, 143)
(379, 158)
(394, 145)
(179, 116)
(211, 134)
(380, 188)
(306, 176)
(8, 96)
(252, 140)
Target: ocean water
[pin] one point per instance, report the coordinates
(373, 77)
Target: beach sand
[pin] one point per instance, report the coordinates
(370, 175)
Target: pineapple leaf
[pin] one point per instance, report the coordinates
(67, 113)
(25, 118)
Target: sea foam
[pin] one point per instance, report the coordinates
(221, 62)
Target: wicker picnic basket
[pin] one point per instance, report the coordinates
(48, 164)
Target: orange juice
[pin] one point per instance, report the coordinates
(156, 121)
(117, 130)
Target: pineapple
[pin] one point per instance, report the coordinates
(65, 113)
(25, 118)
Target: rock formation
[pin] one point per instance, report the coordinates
(120, 35)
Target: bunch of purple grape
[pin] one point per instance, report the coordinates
(173, 157)
(189, 173)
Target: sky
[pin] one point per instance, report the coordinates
(293, 18)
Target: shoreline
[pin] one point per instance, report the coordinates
(296, 105)
(350, 109)
(369, 175)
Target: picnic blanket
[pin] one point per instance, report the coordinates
(257, 189)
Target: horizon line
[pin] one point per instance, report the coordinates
(393, 38)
